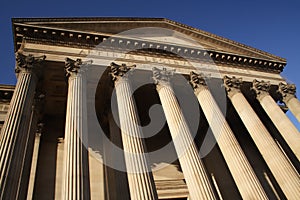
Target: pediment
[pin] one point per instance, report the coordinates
(178, 33)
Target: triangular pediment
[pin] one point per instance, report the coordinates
(112, 25)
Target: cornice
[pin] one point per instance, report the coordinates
(225, 40)
(163, 21)
(58, 37)
(6, 92)
(87, 19)
(4, 87)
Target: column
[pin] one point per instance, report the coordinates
(15, 130)
(241, 170)
(288, 92)
(193, 169)
(33, 168)
(283, 124)
(285, 175)
(116, 181)
(28, 177)
(140, 178)
(76, 168)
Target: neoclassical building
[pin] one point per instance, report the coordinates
(144, 109)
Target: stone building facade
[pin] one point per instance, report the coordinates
(144, 108)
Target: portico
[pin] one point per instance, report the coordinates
(141, 112)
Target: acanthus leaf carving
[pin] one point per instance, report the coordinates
(198, 81)
(120, 71)
(261, 88)
(232, 84)
(73, 67)
(162, 76)
(27, 63)
(287, 91)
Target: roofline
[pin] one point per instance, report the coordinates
(7, 87)
(208, 34)
(72, 19)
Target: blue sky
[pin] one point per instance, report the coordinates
(272, 26)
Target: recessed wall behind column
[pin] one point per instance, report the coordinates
(49, 165)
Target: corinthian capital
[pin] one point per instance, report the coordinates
(287, 91)
(27, 63)
(40, 128)
(120, 71)
(261, 88)
(232, 84)
(162, 76)
(73, 67)
(197, 81)
(39, 103)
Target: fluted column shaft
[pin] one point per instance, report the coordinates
(286, 128)
(15, 131)
(294, 105)
(193, 169)
(241, 170)
(116, 180)
(287, 92)
(140, 178)
(33, 168)
(29, 160)
(75, 168)
(285, 175)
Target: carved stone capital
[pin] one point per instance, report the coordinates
(38, 104)
(119, 72)
(261, 88)
(287, 91)
(198, 81)
(74, 67)
(162, 77)
(29, 63)
(40, 129)
(232, 85)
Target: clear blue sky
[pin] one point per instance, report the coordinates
(272, 26)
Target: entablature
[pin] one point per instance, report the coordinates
(6, 92)
(103, 57)
(90, 41)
